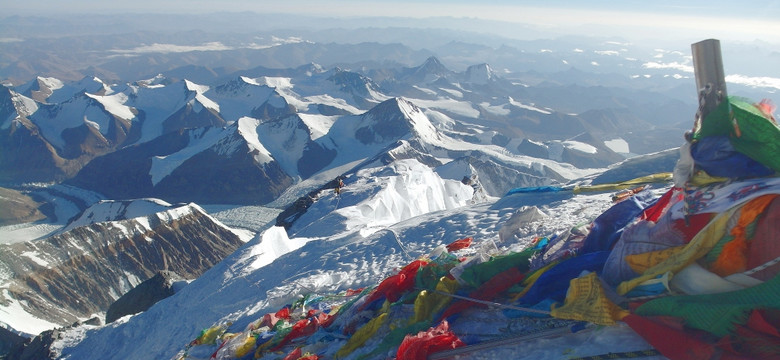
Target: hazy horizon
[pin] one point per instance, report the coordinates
(631, 19)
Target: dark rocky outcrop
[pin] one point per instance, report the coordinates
(299, 207)
(40, 346)
(143, 296)
(37, 348)
(10, 342)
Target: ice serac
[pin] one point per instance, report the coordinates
(112, 247)
(407, 189)
(380, 196)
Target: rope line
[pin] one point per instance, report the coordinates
(506, 341)
(401, 245)
(490, 303)
(762, 266)
(621, 355)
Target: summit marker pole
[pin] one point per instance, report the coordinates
(710, 78)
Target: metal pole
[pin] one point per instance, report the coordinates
(710, 79)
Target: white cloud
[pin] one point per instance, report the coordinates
(672, 65)
(171, 48)
(210, 46)
(762, 81)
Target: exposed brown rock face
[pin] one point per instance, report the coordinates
(82, 271)
(18, 208)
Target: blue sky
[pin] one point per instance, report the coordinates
(763, 9)
(724, 19)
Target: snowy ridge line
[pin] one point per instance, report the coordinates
(511, 341)
(324, 188)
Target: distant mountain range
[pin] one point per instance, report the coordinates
(254, 137)
(246, 139)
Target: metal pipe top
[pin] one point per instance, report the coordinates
(710, 78)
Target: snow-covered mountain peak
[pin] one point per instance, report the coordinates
(50, 82)
(200, 139)
(311, 69)
(432, 65)
(394, 119)
(421, 125)
(114, 104)
(14, 106)
(96, 111)
(42, 87)
(199, 97)
(276, 82)
(247, 128)
(156, 81)
(53, 91)
(95, 85)
(248, 80)
(191, 86)
(354, 83)
(241, 86)
(116, 210)
(243, 96)
(479, 74)
(431, 70)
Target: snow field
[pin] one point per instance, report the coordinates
(380, 197)
(272, 270)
